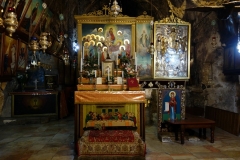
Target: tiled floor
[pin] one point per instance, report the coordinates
(54, 141)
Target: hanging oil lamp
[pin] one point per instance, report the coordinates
(34, 45)
(115, 8)
(11, 22)
(44, 41)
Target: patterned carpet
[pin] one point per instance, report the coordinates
(111, 142)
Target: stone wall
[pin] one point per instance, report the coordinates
(208, 85)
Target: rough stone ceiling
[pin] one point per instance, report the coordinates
(159, 9)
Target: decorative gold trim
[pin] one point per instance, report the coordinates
(160, 106)
(211, 3)
(176, 45)
(178, 11)
(172, 19)
(106, 11)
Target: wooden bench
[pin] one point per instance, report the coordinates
(192, 122)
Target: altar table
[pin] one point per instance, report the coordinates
(108, 97)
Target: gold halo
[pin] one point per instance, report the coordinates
(99, 43)
(86, 44)
(88, 37)
(84, 37)
(93, 42)
(101, 37)
(173, 93)
(97, 36)
(121, 47)
(103, 48)
(100, 30)
(126, 40)
(119, 32)
(93, 36)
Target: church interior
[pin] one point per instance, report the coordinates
(136, 79)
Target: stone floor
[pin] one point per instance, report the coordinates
(53, 140)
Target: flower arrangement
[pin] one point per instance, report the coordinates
(127, 67)
(90, 64)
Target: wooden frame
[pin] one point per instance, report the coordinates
(27, 25)
(22, 56)
(99, 24)
(22, 10)
(51, 82)
(43, 22)
(164, 106)
(105, 66)
(172, 44)
(144, 36)
(9, 55)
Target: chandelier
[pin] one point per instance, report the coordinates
(115, 8)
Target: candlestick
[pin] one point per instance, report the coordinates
(95, 73)
(122, 74)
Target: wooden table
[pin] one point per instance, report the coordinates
(192, 122)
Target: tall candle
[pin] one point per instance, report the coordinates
(99, 59)
(135, 61)
(95, 73)
(83, 53)
(81, 65)
(122, 74)
(108, 73)
(117, 59)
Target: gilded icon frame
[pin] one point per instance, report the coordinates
(144, 37)
(172, 50)
(163, 97)
(100, 23)
(105, 66)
